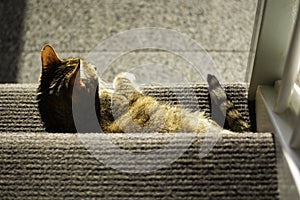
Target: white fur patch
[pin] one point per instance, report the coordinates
(128, 76)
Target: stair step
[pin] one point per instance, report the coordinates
(37, 164)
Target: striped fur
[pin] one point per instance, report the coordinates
(133, 111)
(219, 98)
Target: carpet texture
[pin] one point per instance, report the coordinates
(35, 164)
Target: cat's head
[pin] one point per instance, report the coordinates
(62, 82)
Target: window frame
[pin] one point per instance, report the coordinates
(272, 87)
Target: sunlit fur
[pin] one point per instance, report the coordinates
(67, 82)
(218, 96)
(132, 111)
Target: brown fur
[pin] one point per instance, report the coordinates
(233, 117)
(58, 82)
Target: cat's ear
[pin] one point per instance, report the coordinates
(49, 58)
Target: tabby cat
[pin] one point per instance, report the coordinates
(68, 82)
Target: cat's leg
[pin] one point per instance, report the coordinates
(141, 113)
(125, 92)
(120, 100)
(124, 83)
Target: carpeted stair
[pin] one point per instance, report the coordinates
(35, 164)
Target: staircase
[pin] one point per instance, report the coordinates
(35, 164)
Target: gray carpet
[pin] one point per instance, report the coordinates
(39, 165)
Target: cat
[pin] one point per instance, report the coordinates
(125, 109)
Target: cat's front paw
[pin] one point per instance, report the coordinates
(127, 75)
(124, 82)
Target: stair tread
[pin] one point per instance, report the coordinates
(37, 164)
